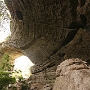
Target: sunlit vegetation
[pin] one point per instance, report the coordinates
(4, 22)
(9, 77)
(5, 72)
(13, 74)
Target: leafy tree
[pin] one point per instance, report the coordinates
(5, 72)
(5, 80)
(6, 63)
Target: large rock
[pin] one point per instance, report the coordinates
(72, 74)
(43, 35)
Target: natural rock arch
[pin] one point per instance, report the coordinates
(42, 29)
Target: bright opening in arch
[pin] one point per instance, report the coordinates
(23, 64)
(4, 22)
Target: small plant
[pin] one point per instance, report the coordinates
(17, 74)
(5, 80)
(5, 72)
(9, 76)
(6, 64)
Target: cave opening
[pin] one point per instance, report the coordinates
(5, 18)
(22, 65)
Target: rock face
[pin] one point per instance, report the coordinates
(41, 87)
(42, 34)
(72, 74)
(47, 87)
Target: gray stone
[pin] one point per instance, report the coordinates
(72, 74)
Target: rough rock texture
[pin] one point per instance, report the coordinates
(42, 33)
(43, 77)
(47, 87)
(41, 87)
(72, 74)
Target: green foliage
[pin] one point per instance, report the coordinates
(6, 63)
(5, 73)
(24, 85)
(7, 76)
(17, 74)
(5, 80)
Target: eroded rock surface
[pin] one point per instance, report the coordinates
(43, 35)
(41, 87)
(47, 87)
(72, 74)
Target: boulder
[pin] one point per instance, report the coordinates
(72, 74)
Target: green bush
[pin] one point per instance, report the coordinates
(6, 64)
(5, 80)
(5, 73)
(8, 76)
